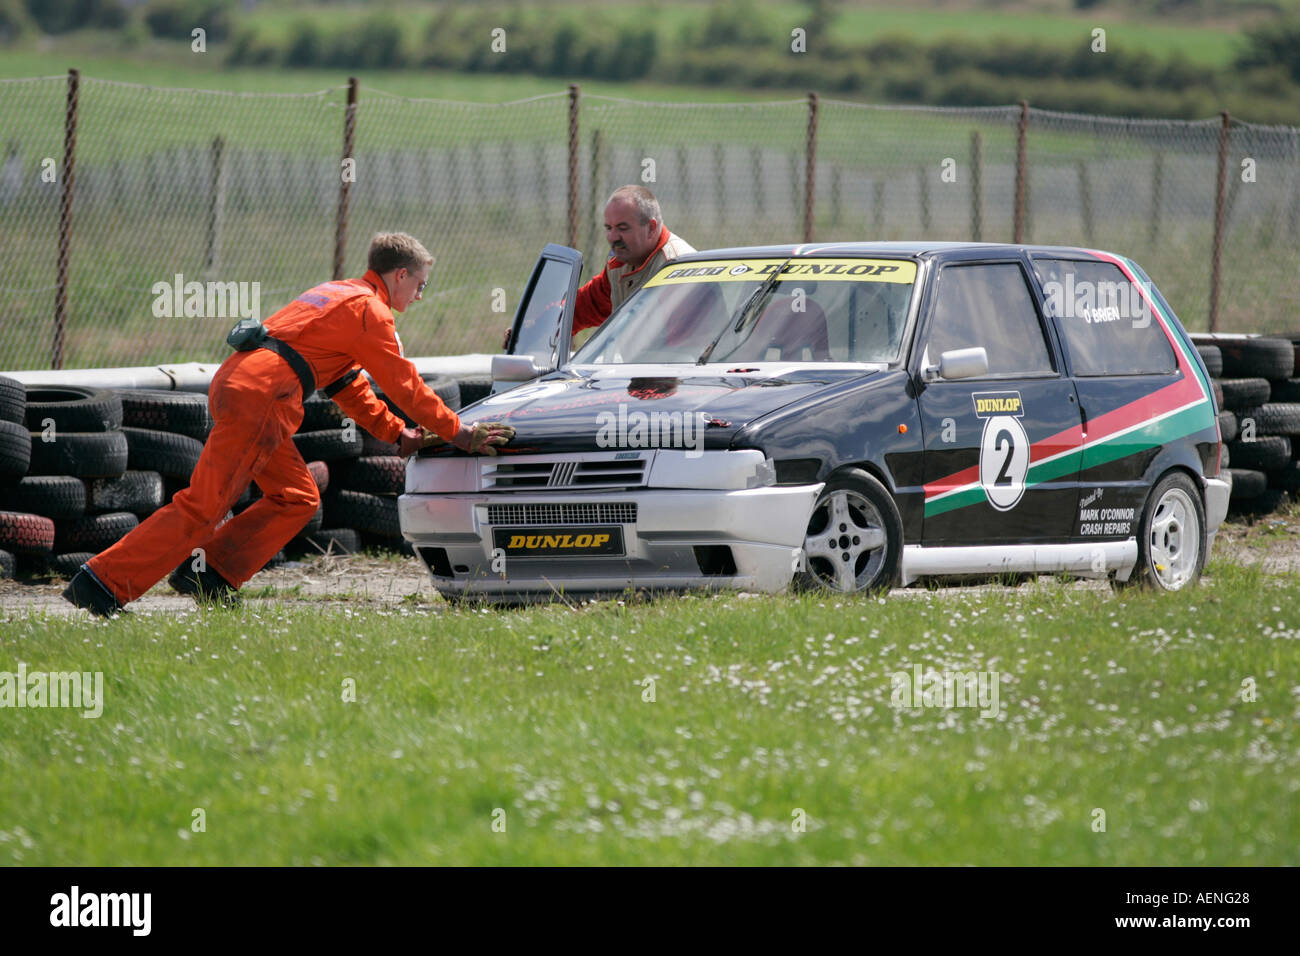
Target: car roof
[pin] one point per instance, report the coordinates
(911, 249)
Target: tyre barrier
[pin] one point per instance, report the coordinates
(183, 413)
(1259, 416)
(81, 467)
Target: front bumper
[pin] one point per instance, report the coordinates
(679, 539)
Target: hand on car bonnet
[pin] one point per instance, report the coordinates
(484, 437)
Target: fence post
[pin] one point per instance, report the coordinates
(976, 185)
(216, 202)
(1220, 186)
(593, 197)
(877, 210)
(683, 178)
(1085, 201)
(835, 196)
(65, 218)
(345, 183)
(923, 184)
(1021, 173)
(572, 233)
(810, 170)
(720, 186)
(1157, 186)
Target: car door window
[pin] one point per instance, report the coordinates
(537, 330)
(1106, 322)
(989, 305)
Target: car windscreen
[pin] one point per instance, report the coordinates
(756, 310)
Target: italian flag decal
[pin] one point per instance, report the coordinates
(1167, 414)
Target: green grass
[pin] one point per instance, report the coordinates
(763, 707)
(1209, 44)
(155, 63)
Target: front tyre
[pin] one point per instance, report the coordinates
(854, 540)
(1172, 540)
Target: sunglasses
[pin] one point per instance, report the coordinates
(420, 287)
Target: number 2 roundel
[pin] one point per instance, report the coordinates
(1004, 461)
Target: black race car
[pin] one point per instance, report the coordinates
(843, 416)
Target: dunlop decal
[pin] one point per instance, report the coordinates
(748, 270)
(989, 404)
(554, 542)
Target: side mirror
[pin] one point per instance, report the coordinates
(515, 368)
(959, 363)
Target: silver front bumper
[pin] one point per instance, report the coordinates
(761, 529)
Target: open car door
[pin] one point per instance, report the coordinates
(542, 334)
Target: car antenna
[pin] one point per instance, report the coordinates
(750, 305)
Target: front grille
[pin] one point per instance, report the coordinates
(605, 512)
(519, 475)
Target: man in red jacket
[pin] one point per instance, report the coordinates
(639, 244)
(328, 334)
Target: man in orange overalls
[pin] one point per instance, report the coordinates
(256, 402)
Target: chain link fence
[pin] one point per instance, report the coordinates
(137, 222)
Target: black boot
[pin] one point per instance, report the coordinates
(85, 591)
(206, 586)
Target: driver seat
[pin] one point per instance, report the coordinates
(790, 332)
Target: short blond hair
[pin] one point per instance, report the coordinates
(396, 250)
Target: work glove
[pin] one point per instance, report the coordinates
(479, 438)
(482, 437)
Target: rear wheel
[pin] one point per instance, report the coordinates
(1172, 538)
(854, 540)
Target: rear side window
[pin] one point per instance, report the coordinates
(989, 305)
(1107, 325)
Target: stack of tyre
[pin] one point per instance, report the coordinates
(80, 467)
(1259, 401)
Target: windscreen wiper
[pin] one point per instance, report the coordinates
(750, 306)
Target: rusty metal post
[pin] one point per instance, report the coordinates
(810, 170)
(1220, 187)
(65, 219)
(923, 188)
(593, 196)
(1157, 187)
(345, 182)
(216, 203)
(1021, 173)
(572, 233)
(1085, 202)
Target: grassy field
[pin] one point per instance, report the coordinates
(765, 712)
(1209, 44)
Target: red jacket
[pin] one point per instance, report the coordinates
(346, 325)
